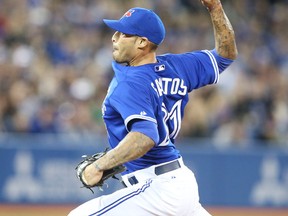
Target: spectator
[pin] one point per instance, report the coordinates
(48, 46)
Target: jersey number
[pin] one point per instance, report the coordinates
(172, 120)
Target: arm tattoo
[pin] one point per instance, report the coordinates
(224, 33)
(133, 146)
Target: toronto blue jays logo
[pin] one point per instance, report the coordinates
(128, 13)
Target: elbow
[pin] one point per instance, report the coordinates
(228, 50)
(234, 53)
(226, 46)
(231, 46)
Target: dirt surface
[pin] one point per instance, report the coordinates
(247, 212)
(34, 210)
(61, 210)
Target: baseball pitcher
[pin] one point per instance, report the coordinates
(142, 112)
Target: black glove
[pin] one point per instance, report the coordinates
(106, 173)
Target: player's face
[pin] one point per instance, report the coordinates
(124, 47)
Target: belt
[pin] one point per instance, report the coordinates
(158, 170)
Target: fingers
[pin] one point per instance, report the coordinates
(92, 176)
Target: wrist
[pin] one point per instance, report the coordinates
(98, 168)
(214, 7)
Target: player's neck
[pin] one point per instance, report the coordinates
(147, 58)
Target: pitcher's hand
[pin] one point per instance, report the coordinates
(92, 175)
(210, 4)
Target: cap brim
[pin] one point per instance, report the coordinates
(117, 26)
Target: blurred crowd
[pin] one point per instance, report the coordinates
(55, 66)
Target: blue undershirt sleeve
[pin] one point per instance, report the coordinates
(147, 128)
(222, 62)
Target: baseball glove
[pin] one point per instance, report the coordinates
(87, 160)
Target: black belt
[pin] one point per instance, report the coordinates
(159, 170)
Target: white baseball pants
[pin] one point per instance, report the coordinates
(173, 193)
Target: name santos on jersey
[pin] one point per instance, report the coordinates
(166, 85)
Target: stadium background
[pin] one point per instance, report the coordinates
(54, 70)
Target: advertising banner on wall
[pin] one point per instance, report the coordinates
(36, 172)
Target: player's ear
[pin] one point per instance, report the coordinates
(143, 42)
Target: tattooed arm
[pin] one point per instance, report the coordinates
(133, 146)
(223, 32)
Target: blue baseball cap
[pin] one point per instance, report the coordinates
(141, 22)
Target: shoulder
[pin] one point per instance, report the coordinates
(136, 80)
(188, 60)
(141, 75)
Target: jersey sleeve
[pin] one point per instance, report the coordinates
(132, 102)
(146, 127)
(199, 68)
(222, 62)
